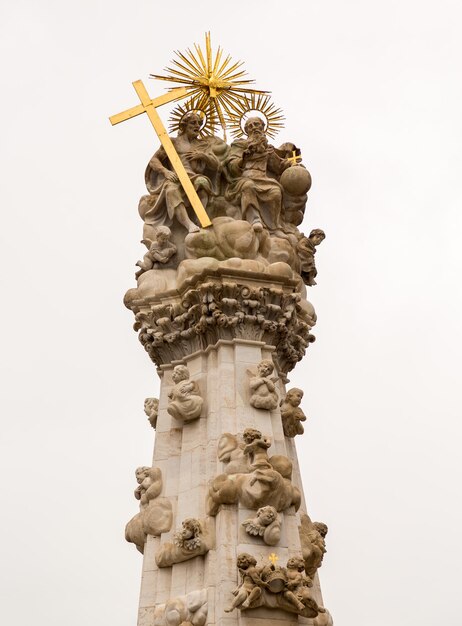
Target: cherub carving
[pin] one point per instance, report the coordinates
(190, 536)
(151, 408)
(274, 587)
(155, 516)
(291, 413)
(262, 387)
(191, 541)
(149, 484)
(185, 402)
(306, 248)
(312, 538)
(265, 524)
(160, 251)
(256, 449)
(250, 590)
(231, 452)
(297, 587)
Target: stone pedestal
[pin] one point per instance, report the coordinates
(221, 325)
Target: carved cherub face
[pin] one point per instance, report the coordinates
(316, 236)
(296, 562)
(151, 406)
(294, 396)
(265, 368)
(180, 372)
(250, 434)
(163, 233)
(191, 528)
(266, 515)
(141, 473)
(244, 561)
(321, 528)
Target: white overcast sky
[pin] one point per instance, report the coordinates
(372, 94)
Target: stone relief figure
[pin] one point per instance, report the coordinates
(151, 408)
(231, 452)
(256, 449)
(155, 516)
(313, 541)
(291, 413)
(191, 541)
(259, 195)
(185, 403)
(159, 252)
(306, 248)
(250, 589)
(167, 201)
(263, 394)
(188, 610)
(264, 481)
(297, 587)
(271, 586)
(266, 524)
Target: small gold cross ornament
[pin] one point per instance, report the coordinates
(295, 158)
(149, 106)
(273, 558)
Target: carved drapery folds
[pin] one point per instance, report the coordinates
(223, 306)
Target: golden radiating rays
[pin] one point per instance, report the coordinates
(206, 112)
(218, 86)
(255, 105)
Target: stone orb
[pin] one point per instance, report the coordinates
(296, 180)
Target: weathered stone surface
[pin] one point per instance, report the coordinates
(224, 304)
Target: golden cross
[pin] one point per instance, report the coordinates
(273, 558)
(149, 106)
(295, 158)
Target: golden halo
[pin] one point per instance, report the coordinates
(260, 106)
(195, 105)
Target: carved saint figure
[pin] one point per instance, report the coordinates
(168, 200)
(265, 524)
(263, 388)
(250, 160)
(291, 413)
(250, 589)
(151, 408)
(159, 253)
(306, 248)
(185, 402)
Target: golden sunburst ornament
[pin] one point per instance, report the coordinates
(259, 105)
(215, 82)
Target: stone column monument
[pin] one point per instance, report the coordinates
(222, 312)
